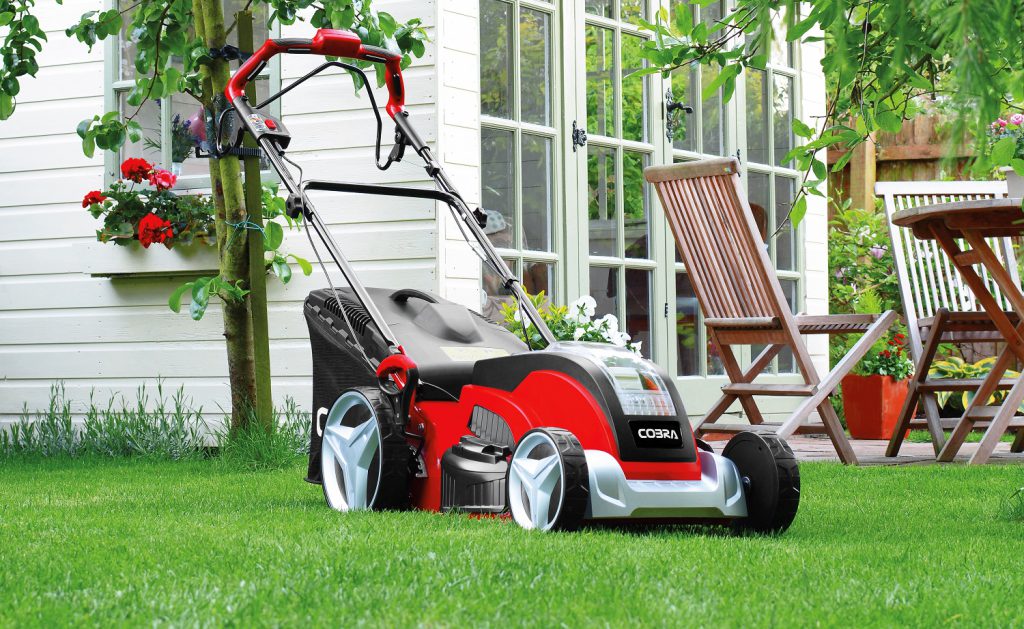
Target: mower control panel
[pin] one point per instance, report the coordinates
(263, 125)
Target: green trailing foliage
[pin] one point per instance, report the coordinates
(956, 367)
(883, 59)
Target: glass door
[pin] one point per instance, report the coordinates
(618, 249)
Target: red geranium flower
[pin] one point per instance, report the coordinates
(152, 229)
(162, 179)
(93, 198)
(136, 169)
(887, 354)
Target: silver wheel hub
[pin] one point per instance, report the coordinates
(350, 461)
(535, 490)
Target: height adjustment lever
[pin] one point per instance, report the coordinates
(294, 206)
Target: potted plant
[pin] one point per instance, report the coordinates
(874, 393)
(186, 135)
(574, 322)
(1006, 141)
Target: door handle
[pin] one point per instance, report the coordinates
(579, 136)
(672, 121)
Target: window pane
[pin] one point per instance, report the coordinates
(712, 116)
(535, 66)
(604, 224)
(632, 9)
(635, 204)
(782, 105)
(684, 89)
(715, 367)
(782, 51)
(757, 116)
(634, 91)
(785, 243)
(539, 276)
(600, 81)
(148, 117)
(785, 360)
(687, 332)
(638, 308)
(600, 7)
(759, 196)
(127, 45)
(494, 294)
(497, 156)
(495, 59)
(188, 130)
(538, 202)
(604, 288)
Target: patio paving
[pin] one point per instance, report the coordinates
(872, 452)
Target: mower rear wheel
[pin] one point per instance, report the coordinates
(771, 481)
(548, 481)
(365, 460)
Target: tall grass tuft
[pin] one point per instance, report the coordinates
(258, 448)
(169, 427)
(1012, 507)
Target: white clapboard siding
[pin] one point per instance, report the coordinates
(109, 335)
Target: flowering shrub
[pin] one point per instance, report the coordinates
(889, 358)
(149, 215)
(859, 260)
(1006, 141)
(574, 322)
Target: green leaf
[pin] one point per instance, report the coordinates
(6, 105)
(281, 269)
(307, 268)
(889, 121)
(273, 236)
(6, 17)
(1002, 151)
(1018, 165)
(798, 212)
(802, 129)
(175, 300)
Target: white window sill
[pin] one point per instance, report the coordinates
(105, 259)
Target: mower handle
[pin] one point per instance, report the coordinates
(329, 43)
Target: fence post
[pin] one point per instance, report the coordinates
(862, 174)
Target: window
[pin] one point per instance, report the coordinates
(619, 146)
(169, 126)
(518, 143)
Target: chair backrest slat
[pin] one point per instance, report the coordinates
(928, 280)
(718, 240)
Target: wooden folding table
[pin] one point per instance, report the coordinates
(961, 229)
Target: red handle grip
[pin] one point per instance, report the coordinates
(328, 43)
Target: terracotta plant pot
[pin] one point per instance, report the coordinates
(872, 405)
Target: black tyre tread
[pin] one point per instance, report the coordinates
(576, 482)
(788, 490)
(393, 487)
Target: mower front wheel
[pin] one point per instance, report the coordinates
(365, 460)
(548, 481)
(771, 481)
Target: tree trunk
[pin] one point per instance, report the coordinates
(232, 240)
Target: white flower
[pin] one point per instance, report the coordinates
(578, 333)
(609, 320)
(521, 319)
(635, 346)
(582, 309)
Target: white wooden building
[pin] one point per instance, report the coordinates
(498, 93)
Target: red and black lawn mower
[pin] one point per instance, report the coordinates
(423, 403)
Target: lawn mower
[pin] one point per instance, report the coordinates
(422, 403)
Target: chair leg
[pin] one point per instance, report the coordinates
(830, 418)
(965, 425)
(737, 375)
(831, 381)
(1018, 442)
(724, 402)
(906, 415)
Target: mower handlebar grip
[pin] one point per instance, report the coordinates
(328, 43)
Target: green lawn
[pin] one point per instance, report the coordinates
(187, 543)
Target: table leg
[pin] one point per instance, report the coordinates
(931, 346)
(1007, 411)
(966, 423)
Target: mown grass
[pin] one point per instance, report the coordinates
(202, 542)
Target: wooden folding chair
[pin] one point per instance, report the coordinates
(938, 305)
(743, 303)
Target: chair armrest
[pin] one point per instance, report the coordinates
(835, 324)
